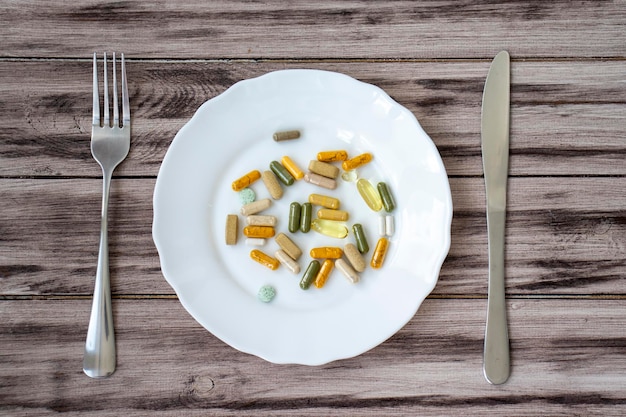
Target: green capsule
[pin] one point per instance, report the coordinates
(295, 211)
(281, 172)
(310, 274)
(388, 202)
(361, 241)
(305, 217)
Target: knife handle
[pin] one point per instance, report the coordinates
(496, 361)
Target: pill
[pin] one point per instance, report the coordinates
(292, 167)
(289, 246)
(354, 257)
(256, 206)
(389, 225)
(309, 274)
(295, 213)
(369, 194)
(329, 214)
(347, 271)
(241, 183)
(385, 195)
(264, 259)
(255, 241)
(349, 176)
(324, 169)
(332, 156)
(331, 252)
(382, 227)
(361, 239)
(286, 135)
(261, 220)
(330, 228)
(320, 180)
(324, 201)
(281, 172)
(266, 293)
(305, 218)
(378, 257)
(259, 231)
(272, 184)
(232, 222)
(246, 196)
(356, 162)
(287, 261)
(324, 273)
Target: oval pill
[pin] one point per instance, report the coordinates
(347, 271)
(324, 169)
(288, 246)
(281, 172)
(261, 220)
(292, 167)
(324, 201)
(305, 218)
(354, 257)
(330, 228)
(266, 293)
(356, 162)
(242, 182)
(259, 231)
(310, 274)
(256, 206)
(295, 212)
(320, 180)
(286, 135)
(369, 194)
(324, 273)
(361, 239)
(385, 195)
(378, 257)
(246, 196)
(287, 261)
(264, 259)
(323, 252)
(272, 184)
(332, 156)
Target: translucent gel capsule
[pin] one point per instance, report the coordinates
(349, 176)
(242, 182)
(356, 162)
(378, 257)
(370, 194)
(330, 228)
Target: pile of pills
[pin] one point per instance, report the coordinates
(329, 219)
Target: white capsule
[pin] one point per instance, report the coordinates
(287, 261)
(261, 220)
(347, 270)
(389, 225)
(382, 227)
(255, 241)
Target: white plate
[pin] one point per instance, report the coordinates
(232, 134)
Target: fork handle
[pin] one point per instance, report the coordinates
(99, 359)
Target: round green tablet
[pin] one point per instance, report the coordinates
(247, 196)
(266, 293)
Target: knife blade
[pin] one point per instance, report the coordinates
(495, 150)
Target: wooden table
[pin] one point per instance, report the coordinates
(566, 224)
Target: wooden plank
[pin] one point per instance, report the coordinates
(563, 120)
(341, 29)
(567, 359)
(564, 236)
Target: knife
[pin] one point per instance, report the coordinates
(495, 148)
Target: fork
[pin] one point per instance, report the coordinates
(109, 147)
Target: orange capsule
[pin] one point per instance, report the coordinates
(292, 167)
(332, 156)
(241, 183)
(378, 257)
(259, 231)
(324, 273)
(329, 214)
(264, 259)
(357, 161)
(329, 252)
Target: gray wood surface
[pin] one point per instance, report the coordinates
(566, 220)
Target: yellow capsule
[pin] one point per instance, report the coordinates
(259, 231)
(329, 214)
(324, 201)
(332, 156)
(356, 162)
(292, 167)
(330, 228)
(264, 259)
(329, 252)
(378, 257)
(241, 183)
(369, 194)
(324, 273)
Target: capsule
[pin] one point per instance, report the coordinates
(369, 194)
(288, 246)
(256, 206)
(232, 222)
(259, 231)
(255, 241)
(385, 195)
(261, 220)
(305, 218)
(324, 273)
(323, 252)
(295, 211)
(320, 180)
(361, 239)
(286, 135)
(390, 227)
(264, 259)
(347, 271)
(324, 201)
(272, 184)
(330, 228)
(350, 176)
(283, 175)
(324, 169)
(332, 156)
(241, 183)
(354, 257)
(382, 227)
(292, 167)
(287, 261)
(356, 162)
(337, 215)
(378, 257)
(309, 275)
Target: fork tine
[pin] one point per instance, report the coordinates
(106, 93)
(125, 103)
(116, 111)
(96, 96)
